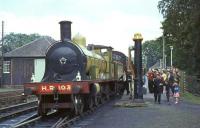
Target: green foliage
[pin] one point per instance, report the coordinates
(153, 50)
(79, 39)
(13, 41)
(182, 29)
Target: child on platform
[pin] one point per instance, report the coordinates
(176, 91)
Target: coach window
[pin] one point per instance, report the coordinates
(6, 67)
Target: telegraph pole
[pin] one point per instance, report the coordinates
(2, 58)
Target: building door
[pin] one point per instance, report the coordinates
(22, 70)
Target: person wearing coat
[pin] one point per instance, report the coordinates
(125, 78)
(158, 88)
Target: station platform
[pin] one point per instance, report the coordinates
(153, 115)
(128, 101)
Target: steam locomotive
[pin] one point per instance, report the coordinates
(77, 77)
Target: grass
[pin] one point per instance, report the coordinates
(191, 98)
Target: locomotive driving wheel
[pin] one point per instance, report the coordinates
(95, 100)
(88, 102)
(78, 104)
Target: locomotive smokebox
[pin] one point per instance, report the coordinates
(65, 30)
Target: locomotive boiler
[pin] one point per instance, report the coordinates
(77, 77)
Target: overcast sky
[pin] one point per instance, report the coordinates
(106, 22)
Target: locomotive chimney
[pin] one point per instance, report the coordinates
(65, 30)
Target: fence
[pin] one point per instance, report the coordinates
(189, 83)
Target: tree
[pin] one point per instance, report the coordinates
(13, 41)
(182, 29)
(153, 51)
(79, 39)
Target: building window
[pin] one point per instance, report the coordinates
(6, 67)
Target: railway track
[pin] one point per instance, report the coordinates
(15, 114)
(72, 122)
(49, 121)
(52, 120)
(56, 119)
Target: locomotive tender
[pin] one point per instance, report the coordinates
(77, 77)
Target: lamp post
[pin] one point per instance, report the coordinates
(171, 48)
(163, 66)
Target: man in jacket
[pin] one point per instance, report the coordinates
(157, 88)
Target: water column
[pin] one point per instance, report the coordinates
(138, 93)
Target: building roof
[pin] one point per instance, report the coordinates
(156, 65)
(36, 48)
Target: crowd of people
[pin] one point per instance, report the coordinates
(157, 81)
(164, 81)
